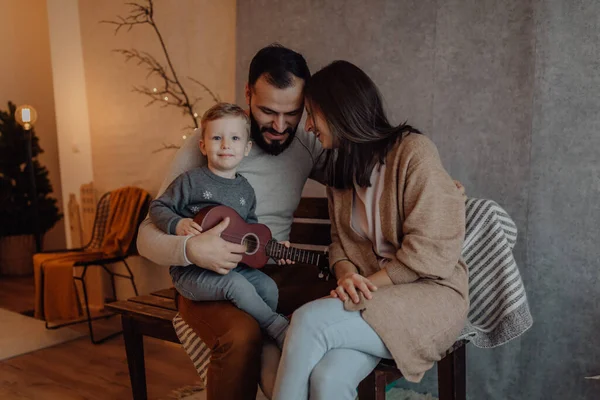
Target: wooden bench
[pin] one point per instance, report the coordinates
(148, 315)
(152, 315)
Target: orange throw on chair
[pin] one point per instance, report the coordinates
(56, 295)
(55, 292)
(125, 207)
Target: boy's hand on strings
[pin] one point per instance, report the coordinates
(282, 261)
(187, 227)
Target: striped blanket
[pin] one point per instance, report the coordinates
(499, 310)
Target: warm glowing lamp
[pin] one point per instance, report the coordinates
(26, 116)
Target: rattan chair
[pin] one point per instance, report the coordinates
(95, 244)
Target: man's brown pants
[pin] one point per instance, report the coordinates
(235, 337)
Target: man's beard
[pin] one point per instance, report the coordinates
(276, 147)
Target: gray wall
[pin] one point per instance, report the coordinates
(508, 92)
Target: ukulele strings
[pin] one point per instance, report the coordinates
(264, 246)
(260, 245)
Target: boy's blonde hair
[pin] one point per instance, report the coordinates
(222, 110)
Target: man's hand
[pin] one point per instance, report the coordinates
(287, 244)
(186, 227)
(210, 252)
(349, 284)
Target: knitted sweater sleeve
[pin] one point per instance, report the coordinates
(154, 244)
(433, 225)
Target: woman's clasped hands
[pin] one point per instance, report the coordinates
(350, 284)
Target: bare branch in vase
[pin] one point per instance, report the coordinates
(171, 91)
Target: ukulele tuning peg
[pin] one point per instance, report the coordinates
(321, 275)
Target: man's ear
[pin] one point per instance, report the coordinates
(202, 146)
(248, 94)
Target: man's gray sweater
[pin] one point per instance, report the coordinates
(198, 188)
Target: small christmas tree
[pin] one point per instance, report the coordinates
(17, 216)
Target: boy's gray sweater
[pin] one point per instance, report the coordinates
(277, 181)
(198, 188)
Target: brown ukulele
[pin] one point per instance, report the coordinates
(258, 240)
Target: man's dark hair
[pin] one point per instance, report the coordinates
(278, 63)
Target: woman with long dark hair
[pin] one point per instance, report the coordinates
(397, 227)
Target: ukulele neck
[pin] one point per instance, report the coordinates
(278, 251)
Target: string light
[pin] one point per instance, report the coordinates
(155, 90)
(195, 115)
(184, 137)
(166, 98)
(195, 129)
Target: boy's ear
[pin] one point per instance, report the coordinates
(202, 146)
(248, 147)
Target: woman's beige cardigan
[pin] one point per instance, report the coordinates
(423, 216)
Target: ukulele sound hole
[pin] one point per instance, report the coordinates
(250, 240)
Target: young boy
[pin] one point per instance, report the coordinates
(225, 142)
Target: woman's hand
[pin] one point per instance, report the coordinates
(282, 261)
(349, 284)
(186, 227)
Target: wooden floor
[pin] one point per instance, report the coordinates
(81, 370)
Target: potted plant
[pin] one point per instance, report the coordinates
(17, 215)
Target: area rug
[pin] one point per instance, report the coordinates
(20, 335)
(196, 393)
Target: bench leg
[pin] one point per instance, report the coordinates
(134, 347)
(452, 377)
(372, 387)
